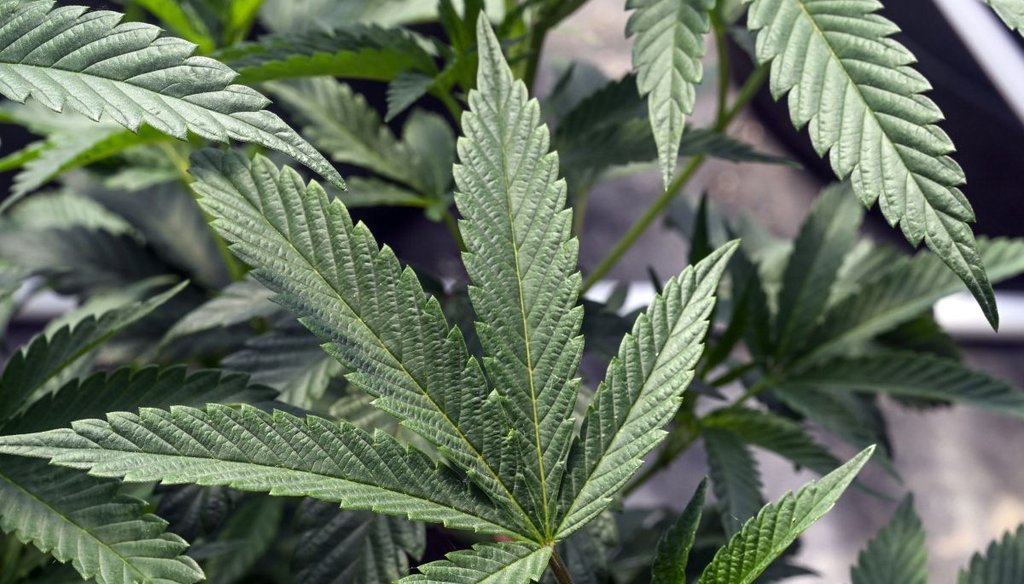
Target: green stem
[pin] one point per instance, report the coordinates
(453, 228)
(747, 92)
(579, 211)
(454, 110)
(558, 569)
(722, 47)
(181, 164)
(533, 53)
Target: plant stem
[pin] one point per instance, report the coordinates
(558, 568)
(453, 228)
(747, 92)
(640, 226)
(723, 63)
(533, 52)
(579, 211)
(181, 164)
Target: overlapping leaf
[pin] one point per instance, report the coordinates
(735, 477)
(107, 537)
(863, 103)
(777, 525)
(67, 57)
(486, 564)
(641, 392)
(1002, 563)
(354, 52)
(775, 433)
(667, 53)
(353, 547)
(1011, 11)
(521, 261)
(897, 554)
(373, 314)
(294, 457)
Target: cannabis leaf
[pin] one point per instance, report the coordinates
(854, 88)
(354, 52)
(674, 547)
(896, 555)
(735, 477)
(1011, 11)
(521, 261)
(66, 57)
(1003, 562)
(486, 564)
(641, 391)
(775, 433)
(777, 525)
(667, 53)
(76, 518)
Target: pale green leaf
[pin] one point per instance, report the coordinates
(295, 457)
(372, 192)
(353, 547)
(1003, 562)
(373, 314)
(852, 84)
(503, 563)
(1011, 11)
(913, 375)
(106, 536)
(238, 303)
(642, 390)
(354, 52)
(66, 58)
(667, 53)
(245, 539)
(64, 209)
(775, 433)
(825, 239)
(522, 263)
(302, 15)
(674, 547)
(46, 355)
(777, 525)
(77, 148)
(897, 554)
(404, 90)
(902, 295)
(126, 390)
(735, 478)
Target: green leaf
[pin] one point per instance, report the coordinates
(775, 433)
(674, 547)
(486, 564)
(301, 15)
(404, 90)
(372, 192)
(1011, 11)
(246, 537)
(354, 52)
(76, 148)
(642, 390)
(667, 53)
(289, 359)
(901, 295)
(777, 525)
(64, 209)
(238, 303)
(735, 478)
(374, 316)
(128, 390)
(67, 57)
(106, 536)
(855, 89)
(337, 546)
(825, 239)
(1003, 562)
(708, 142)
(46, 355)
(897, 554)
(295, 457)
(522, 263)
(20, 158)
(183, 22)
(913, 375)
(341, 123)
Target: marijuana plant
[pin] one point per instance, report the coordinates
(257, 390)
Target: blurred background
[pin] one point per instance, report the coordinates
(964, 465)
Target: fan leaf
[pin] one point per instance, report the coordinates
(667, 52)
(486, 564)
(897, 554)
(766, 536)
(854, 88)
(641, 392)
(1003, 562)
(67, 57)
